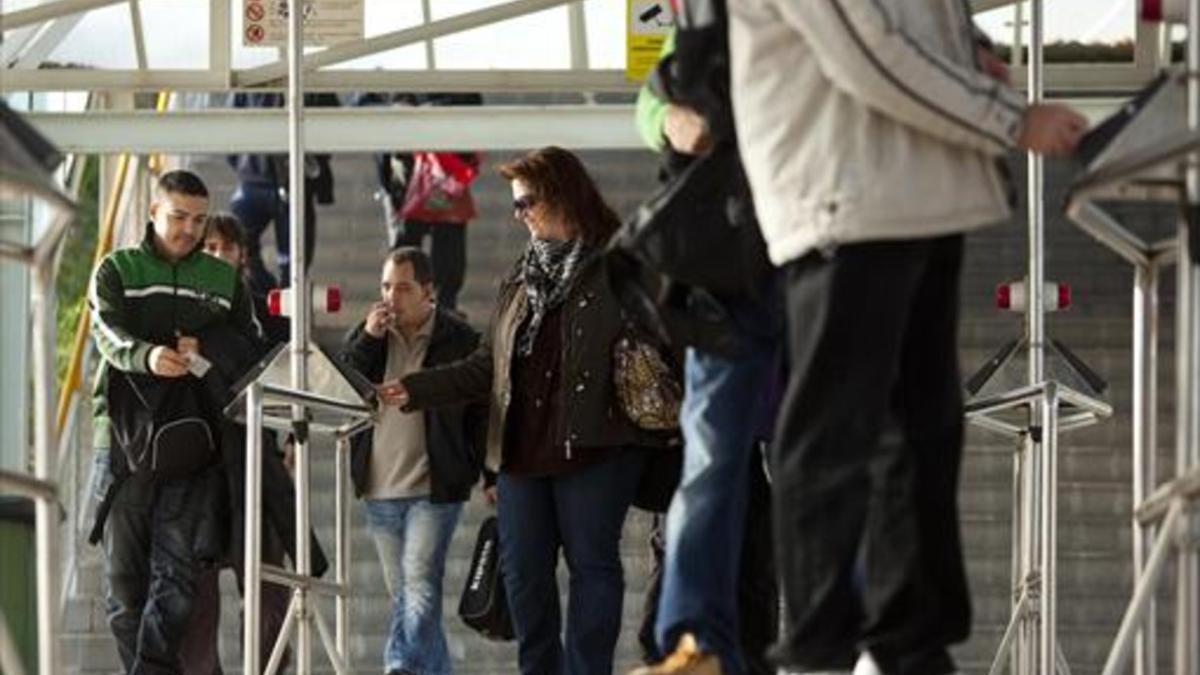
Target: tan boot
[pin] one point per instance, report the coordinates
(687, 659)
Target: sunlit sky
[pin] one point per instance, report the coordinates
(176, 33)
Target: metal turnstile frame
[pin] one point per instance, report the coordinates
(302, 613)
(1030, 640)
(1164, 517)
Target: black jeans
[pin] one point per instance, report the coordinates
(149, 544)
(873, 332)
(448, 252)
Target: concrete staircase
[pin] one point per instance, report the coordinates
(1095, 507)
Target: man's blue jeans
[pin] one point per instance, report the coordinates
(412, 537)
(723, 411)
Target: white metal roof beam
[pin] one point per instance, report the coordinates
(342, 129)
(1074, 78)
(508, 81)
(347, 51)
(50, 10)
(607, 127)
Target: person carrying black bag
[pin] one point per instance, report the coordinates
(155, 435)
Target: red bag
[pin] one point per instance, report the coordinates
(439, 189)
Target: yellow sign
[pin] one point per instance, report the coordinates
(649, 22)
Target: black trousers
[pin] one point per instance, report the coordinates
(448, 252)
(873, 343)
(150, 564)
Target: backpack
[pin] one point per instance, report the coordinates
(160, 427)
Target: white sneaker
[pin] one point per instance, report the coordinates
(866, 665)
(783, 671)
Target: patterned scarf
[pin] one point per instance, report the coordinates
(548, 270)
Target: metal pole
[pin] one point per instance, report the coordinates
(1145, 443)
(301, 303)
(1048, 610)
(251, 573)
(1018, 33)
(1188, 651)
(1035, 325)
(1020, 593)
(577, 29)
(1010, 632)
(1028, 638)
(44, 449)
(1034, 311)
(1144, 590)
(342, 527)
(426, 18)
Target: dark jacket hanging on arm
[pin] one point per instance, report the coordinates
(455, 435)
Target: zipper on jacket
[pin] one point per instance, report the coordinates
(175, 301)
(565, 330)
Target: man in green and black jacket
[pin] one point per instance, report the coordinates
(148, 305)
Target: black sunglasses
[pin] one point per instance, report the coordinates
(523, 204)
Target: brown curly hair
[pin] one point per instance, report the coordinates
(559, 182)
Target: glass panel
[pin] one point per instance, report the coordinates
(606, 34)
(535, 41)
(1076, 31)
(103, 39)
(176, 33)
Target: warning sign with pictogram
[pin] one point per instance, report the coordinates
(326, 22)
(647, 26)
(254, 34)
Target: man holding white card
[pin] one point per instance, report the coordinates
(148, 304)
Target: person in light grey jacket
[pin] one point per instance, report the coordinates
(871, 132)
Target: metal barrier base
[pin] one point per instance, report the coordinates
(1030, 641)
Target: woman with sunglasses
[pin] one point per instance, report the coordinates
(566, 455)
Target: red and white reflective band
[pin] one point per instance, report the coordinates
(325, 299)
(1012, 296)
(1173, 11)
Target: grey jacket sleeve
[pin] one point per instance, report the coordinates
(866, 52)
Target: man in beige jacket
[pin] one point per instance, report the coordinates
(871, 131)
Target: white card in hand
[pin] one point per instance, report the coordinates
(197, 365)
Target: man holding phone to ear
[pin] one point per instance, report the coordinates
(414, 469)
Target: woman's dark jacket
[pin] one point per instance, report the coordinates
(455, 435)
(589, 416)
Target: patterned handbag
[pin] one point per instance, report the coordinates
(648, 389)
